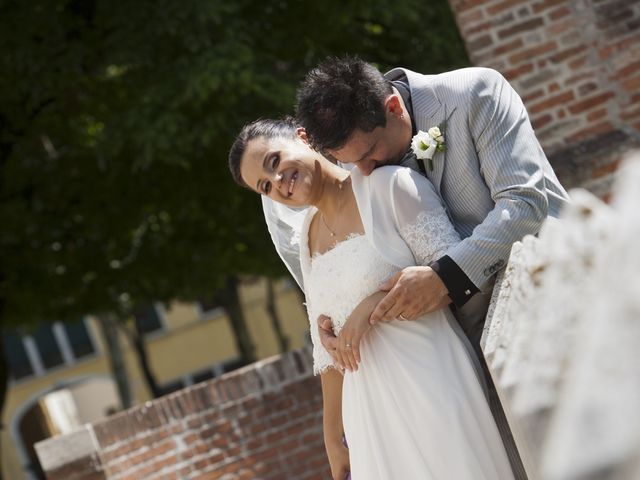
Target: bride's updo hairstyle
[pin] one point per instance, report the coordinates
(267, 128)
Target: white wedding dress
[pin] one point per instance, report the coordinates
(415, 409)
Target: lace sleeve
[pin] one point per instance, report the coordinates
(322, 360)
(429, 236)
(421, 217)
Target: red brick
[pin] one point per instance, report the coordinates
(514, 73)
(587, 88)
(502, 6)
(579, 78)
(473, 29)
(544, 4)
(597, 115)
(626, 70)
(551, 102)
(628, 115)
(540, 122)
(470, 17)
(631, 85)
(607, 169)
(521, 27)
(479, 43)
(462, 5)
(568, 53)
(556, 29)
(508, 47)
(533, 96)
(559, 13)
(533, 52)
(578, 62)
(588, 103)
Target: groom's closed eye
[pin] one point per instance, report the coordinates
(368, 152)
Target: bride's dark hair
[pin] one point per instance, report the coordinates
(264, 127)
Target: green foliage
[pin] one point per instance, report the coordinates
(116, 119)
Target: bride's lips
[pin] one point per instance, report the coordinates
(292, 182)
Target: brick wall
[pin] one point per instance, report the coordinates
(576, 64)
(261, 422)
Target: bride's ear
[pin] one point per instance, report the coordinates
(302, 134)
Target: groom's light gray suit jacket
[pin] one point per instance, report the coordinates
(496, 181)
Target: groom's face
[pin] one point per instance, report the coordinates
(381, 146)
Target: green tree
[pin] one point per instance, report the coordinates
(115, 121)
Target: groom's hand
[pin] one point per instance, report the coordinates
(327, 338)
(412, 292)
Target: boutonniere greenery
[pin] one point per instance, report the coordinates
(426, 144)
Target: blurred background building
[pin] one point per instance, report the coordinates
(61, 377)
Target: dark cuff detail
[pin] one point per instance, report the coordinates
(461, 289)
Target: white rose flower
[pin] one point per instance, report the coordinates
(431, 150)
(434, 132)
(420, 144)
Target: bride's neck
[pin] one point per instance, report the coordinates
(335, 193)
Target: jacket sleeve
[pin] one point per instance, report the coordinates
(511, 163)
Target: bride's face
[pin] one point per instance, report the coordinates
(283, 169)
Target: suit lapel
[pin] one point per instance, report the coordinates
(428, 112)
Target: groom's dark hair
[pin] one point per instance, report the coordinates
(264, 127)
(337, 97)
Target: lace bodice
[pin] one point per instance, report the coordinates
(338, 280)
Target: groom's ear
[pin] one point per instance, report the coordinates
(302, 134)
(393, 105)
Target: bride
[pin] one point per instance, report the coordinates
(410, 403)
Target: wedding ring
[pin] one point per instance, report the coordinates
(348, 345)
(402, 317)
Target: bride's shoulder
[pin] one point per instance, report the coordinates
(385, 175)
(398, 178)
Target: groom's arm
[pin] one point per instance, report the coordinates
(512, 163)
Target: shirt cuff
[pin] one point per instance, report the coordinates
(461, 289)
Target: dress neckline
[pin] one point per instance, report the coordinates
(305, 254)
(351, 236)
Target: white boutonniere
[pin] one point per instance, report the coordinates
(426, 144)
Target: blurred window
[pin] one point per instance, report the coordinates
(79, 339)
(147, 319)
(19, 364)
(48, 346)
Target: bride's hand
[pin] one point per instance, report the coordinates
(348, 348)
(338, 455)
(328, 340)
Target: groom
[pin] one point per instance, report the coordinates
(490, 170)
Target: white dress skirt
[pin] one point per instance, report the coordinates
(415, 408)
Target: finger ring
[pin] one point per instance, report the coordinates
(402, 317)
(348, 345)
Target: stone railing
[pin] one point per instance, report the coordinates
(563, 334)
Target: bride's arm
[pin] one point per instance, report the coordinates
(332, 423)
(347, 353)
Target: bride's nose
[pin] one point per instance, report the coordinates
(278, 179)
